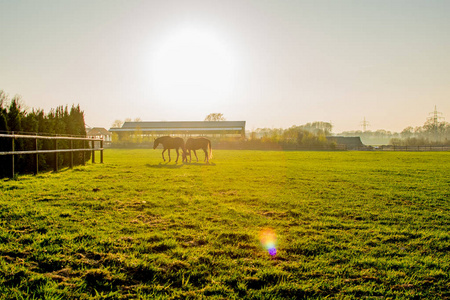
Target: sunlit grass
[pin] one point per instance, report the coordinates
(348, 224)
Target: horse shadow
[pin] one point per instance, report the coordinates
(164, 166)
(200, 164)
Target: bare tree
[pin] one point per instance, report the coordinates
(117, 124)
(215, 117)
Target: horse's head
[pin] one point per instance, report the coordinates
(155, 143)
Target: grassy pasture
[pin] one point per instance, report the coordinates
(349, 225)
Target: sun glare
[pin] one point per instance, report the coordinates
(193, 65)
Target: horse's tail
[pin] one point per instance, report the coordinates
(210, 150)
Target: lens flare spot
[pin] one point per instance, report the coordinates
(268, 240)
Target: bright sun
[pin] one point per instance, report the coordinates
(193, 65)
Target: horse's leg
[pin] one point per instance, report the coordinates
(163, 154)
(178, 154)
(190, 156)
(206, 154)
(168, 150)
(196, 155)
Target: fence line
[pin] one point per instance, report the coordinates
(90, 148)
(423, 148)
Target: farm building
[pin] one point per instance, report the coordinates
(351, 143)
(99, 133)
(181, 128)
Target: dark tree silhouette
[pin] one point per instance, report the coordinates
(59, 121)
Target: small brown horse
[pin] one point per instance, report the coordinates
(196, 144)
(168, 143)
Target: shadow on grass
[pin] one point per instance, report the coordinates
(178, 165)
(165, 166)
(200, 164)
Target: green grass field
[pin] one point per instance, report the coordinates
(348, 225)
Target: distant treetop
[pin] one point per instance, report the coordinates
(215, 117)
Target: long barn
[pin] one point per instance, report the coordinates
(183, 128)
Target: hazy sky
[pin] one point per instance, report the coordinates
(270, 63)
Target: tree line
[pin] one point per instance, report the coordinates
(60, 121)
(310, 135)
(431, 133)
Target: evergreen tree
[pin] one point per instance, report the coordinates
(3, 113)
(14, 116)
(59, 121)
(29, 126)
(79, 129)
(14, 119)
(42, 129)
(4, 145)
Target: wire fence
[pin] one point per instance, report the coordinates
(413, 148)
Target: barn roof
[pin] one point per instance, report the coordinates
(98, 131)
(351, 142)
(184, 126)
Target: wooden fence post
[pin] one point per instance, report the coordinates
(36, 157)
(12, 156)
(84, 153)
(71, 154)
(55, 167)
(101, 151)
(93, 151)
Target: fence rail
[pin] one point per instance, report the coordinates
(90, 147)
(424, 148)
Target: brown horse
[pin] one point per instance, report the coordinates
(168, 143)
(196, 144)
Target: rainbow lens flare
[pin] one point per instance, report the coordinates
(268, 240)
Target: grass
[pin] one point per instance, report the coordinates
(349, 225)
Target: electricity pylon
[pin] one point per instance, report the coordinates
(434, 120)
(365, 124)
